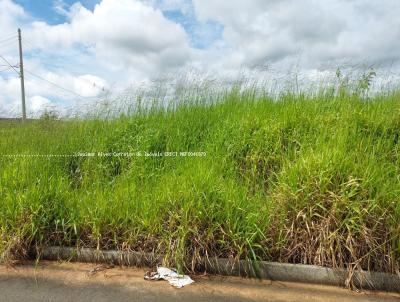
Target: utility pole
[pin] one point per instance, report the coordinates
(21, 74)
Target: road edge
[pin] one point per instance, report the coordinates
(222, 266)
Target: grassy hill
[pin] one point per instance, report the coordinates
(303, 179)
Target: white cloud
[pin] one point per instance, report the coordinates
(127, 41)
(10, 14)
(38, 103)
(60, 7)
(89, 85)
(321, 31)
(122, 42)
(124, 34)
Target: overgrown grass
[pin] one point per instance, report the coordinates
(308, 179)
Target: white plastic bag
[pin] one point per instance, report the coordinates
(170, 275)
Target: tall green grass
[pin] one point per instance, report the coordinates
(304, 178)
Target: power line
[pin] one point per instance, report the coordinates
(43, 79)
(20, 67)
(30, 43)
(8, 63)
(5, 43)
(8, 44)
(6, 69)
(58, 86)
(11, 34)
(7, 39)
(4, 65)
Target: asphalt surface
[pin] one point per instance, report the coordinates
(62, 282)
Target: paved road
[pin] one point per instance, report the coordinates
(64, 282)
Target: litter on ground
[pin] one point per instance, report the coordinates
(100, 268)
(169, 275)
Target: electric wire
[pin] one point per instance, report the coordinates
(8, 39)
(9, 64)
(6, 69)
(9, 44)
(57, 85)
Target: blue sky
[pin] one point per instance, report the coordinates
(124, 43)
(44, 9)
(201, 34)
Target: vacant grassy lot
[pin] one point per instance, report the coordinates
(304, 179)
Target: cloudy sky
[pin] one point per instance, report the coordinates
(76, 51)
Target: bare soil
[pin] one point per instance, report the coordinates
(51, 281)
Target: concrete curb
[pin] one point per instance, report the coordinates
(260, 269)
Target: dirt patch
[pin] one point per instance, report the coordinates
(51, 281)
